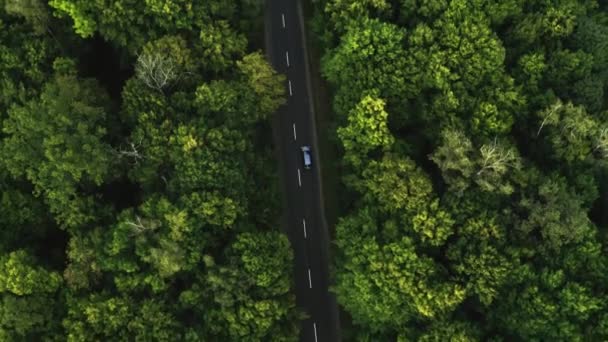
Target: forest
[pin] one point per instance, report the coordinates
(133, 206)
(473, 143)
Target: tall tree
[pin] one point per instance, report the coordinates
(57, 142)
(366, 131)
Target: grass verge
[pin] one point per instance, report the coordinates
(324, 123)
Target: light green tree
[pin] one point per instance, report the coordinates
(369, 42)
(267, 85)
(366, 130)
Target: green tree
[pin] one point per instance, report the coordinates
(461, 164)
(131, 25)
(35, 12)
(342, 13)
(220, 46)
(395, 184)
(250, 293)
(478, 257)
(20, 276)
(451, 330)
(366, 131)
(29, 303)
(25, 62)
(25, 218)
(57, 142)
(455, 157)
(388, 285)
(84, 254)
(149, 247)
(200, 159)
(459, 61)
(572, 133)
(267, 84)
(368, 42)
(556, 213)
(548, 305)
(101, 316)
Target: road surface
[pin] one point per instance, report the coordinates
(305, 220)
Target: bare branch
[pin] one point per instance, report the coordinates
(132, 152)
(156, 70)
(495, 157)
(601, 143)
(549, 115)
(140, 226)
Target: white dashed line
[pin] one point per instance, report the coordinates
(309, 280)
(314, 325)
(299, 178)
(304, 225)
(283, 19)
(294, 132)
(290, 93)
(287, 57)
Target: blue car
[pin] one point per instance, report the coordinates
(306, 156)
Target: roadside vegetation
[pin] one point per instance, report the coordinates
(474, 166)
(138, 192)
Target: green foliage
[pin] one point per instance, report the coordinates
(366, 131)
(461, 164)
(34, 12)
(250, 292)
(478, 258)
(27, 295)
(199, 159)
(25, 61)
(149, 184)
(395, 184)
(532, 66)
(452, 57)
(369, 42)
(342, 13)
(447, 330)
(19, 276)
(131, 24)
(56, 142)
(502, 234)
(28, 318)
(548, 306)
(220, 46)
(556, 214)
(433, 225)
(267, 84)
(455, 158)
(101, 316)
(388, 285)
(573, 134)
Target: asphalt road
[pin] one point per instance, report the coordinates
(305, 220)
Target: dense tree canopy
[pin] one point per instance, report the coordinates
(132, 206)
(473, 138)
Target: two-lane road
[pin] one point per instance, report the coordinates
(306, 226)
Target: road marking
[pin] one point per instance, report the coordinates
(290, 93)
(283, 19)
(287, 57)
(314, 325)
(304, 225)
(299, 178)
(309, 280)
(294, 132)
